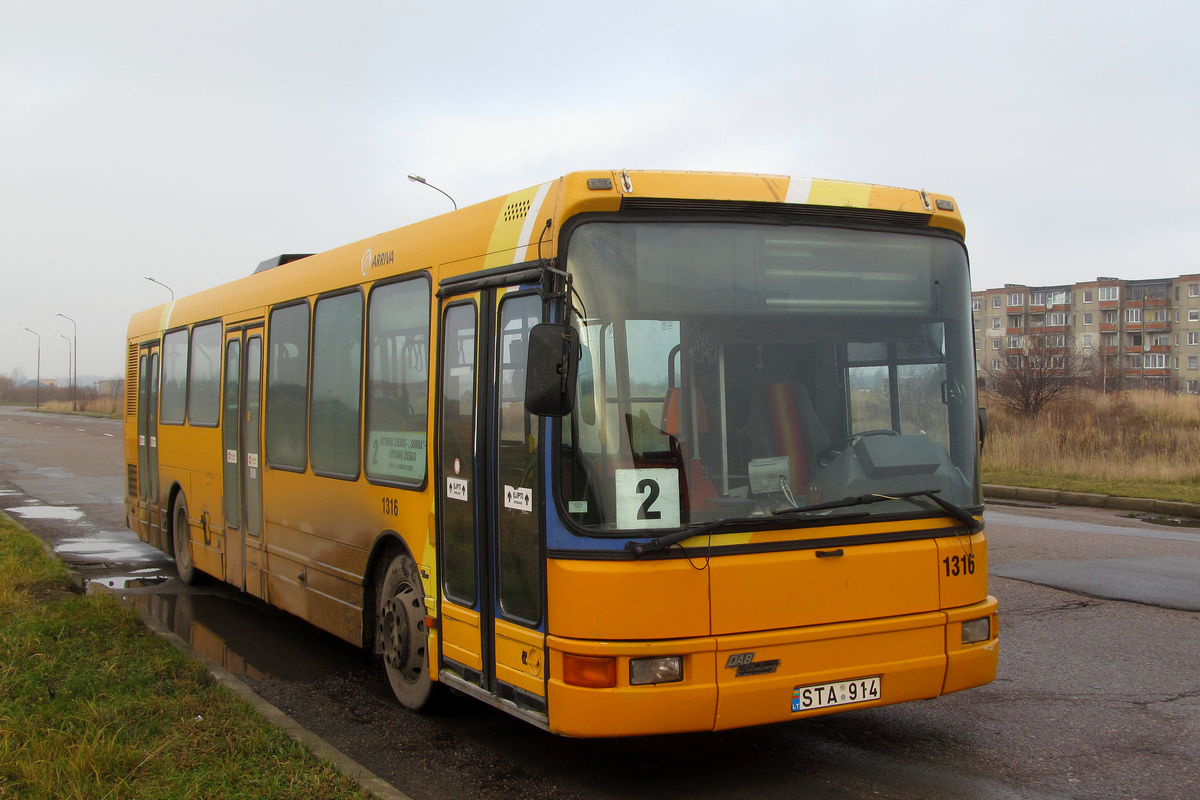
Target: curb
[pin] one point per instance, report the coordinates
(1170, 508)
(369, 781)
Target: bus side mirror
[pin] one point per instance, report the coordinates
(982, 426)
(551, 370)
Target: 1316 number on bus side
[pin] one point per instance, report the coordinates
(959, 565)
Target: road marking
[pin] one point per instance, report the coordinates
(108, 434)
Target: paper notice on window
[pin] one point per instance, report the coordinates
(396, 454)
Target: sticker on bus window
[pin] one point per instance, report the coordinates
(518, 499)
(231, 456)
(647, 498)
(456, 489)
(396, 454)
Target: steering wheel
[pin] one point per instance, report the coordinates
(831, 451)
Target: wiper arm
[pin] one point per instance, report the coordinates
(954, 510)
(958, 512)
(674, 537)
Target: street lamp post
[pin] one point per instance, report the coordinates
(38, 394)
(74, 362)
(419, 179)
(70, 354)
(160, 283)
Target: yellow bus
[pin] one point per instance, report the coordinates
(623, 453)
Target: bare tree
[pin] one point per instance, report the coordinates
(1040, 371)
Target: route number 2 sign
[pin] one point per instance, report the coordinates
(647, 498)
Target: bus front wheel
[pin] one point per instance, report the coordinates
(181, 536)
(402, 634)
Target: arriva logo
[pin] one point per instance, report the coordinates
(370, 262)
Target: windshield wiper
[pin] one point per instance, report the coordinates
(674, 537)
(956, 511)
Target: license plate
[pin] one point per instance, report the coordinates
(841, 693)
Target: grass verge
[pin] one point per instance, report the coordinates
(1132, 444)
(92, 705)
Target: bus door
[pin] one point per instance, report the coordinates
(488, 488)
(151, 517)
(240, 440)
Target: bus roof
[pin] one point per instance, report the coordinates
(519, 226)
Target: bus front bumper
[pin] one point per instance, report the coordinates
(773, 676)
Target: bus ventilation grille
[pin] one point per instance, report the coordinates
(131, 472)
(813, 214)
(131, 381)
(516, 210)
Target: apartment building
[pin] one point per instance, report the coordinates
(1125, 333)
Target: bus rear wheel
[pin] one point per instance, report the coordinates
(402, 636)
(181, 544)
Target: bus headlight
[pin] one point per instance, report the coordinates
(659, 669)
(976, 630)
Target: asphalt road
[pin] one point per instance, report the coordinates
(1098, 693)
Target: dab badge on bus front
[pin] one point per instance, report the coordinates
(746, 665)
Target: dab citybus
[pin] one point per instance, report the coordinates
(623, 453)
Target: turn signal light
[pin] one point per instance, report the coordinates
(594, 672)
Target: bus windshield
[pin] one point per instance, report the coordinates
(732, 370)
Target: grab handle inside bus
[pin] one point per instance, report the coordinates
(551, 370)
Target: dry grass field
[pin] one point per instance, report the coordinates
(1135, 443)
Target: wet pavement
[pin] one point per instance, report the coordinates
(79, 513)
(1096, 697)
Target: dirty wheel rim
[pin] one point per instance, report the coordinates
(402, 627)
(179, 538)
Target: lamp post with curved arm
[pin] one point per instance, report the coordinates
(70, 354)
(419, 179)
(38, 395)
(160, 283)
(74, 362)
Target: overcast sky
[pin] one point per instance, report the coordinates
(189, 141)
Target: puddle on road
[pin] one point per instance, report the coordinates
(54, 472)
(1171, 522)
(110, 546)
(131, 581)
(65, 513)
(248, 637)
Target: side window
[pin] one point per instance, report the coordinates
(336, 385)
(520, 557)
(398, 382)
(457, 496)
(204, 379)
(287, 388)
(173, 395)
(229, 435)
